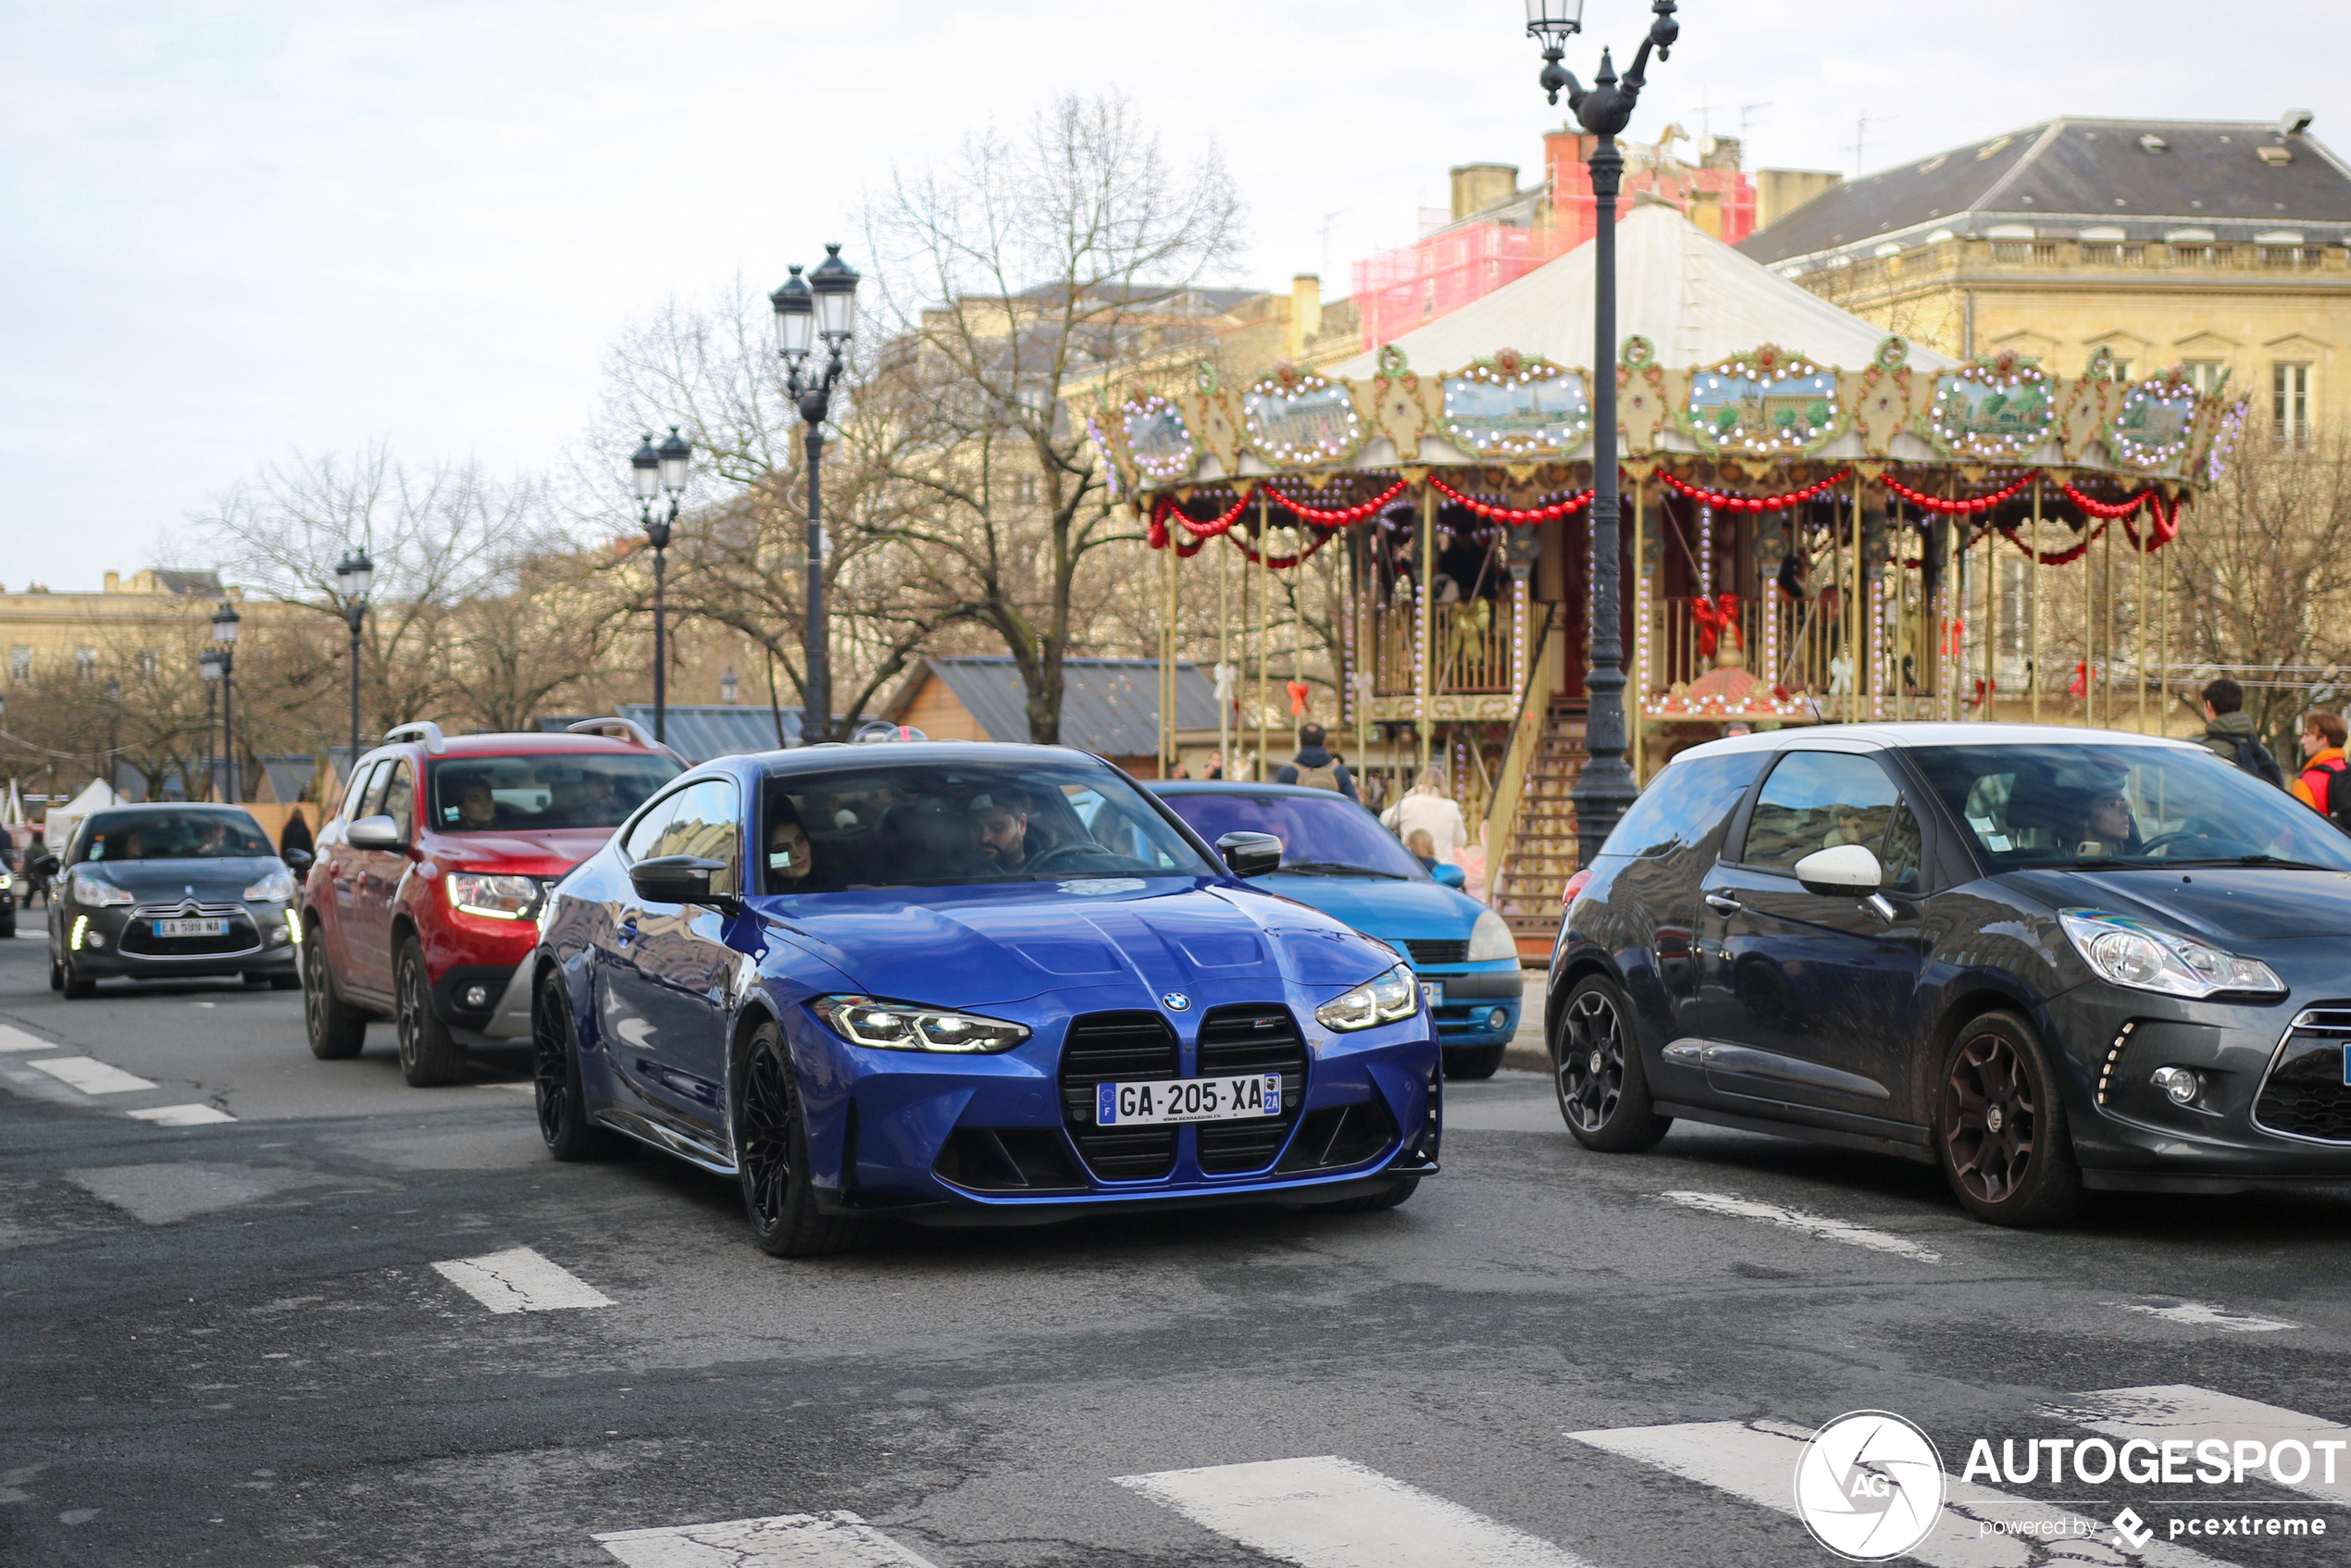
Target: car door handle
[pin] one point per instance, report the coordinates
(1724, 904)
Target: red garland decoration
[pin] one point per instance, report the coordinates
(1342, 517)
(1730, 503)
(1197, 529)
(1280, 563)
(1958, 509)
(2165, 515)
(1510, 515)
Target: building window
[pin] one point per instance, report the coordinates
(2206, 376)
(2122, 368)
(85, 662)
(20, 663)
(2288, 255)
(2023, 253)
(2203, 255)
(2290, 402)
(2109, 254)
(147, 666)
(1025, 491)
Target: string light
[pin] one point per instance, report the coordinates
(2158, 392)
(1511, 372)
(1163, 433)
(1706, 551)
(1287, 389)
(1768, 370)
(2001, 378)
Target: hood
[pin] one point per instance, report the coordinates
(1007, 942)
(229, 877)
(1389, 909)
(2231, 906)
(549, 852)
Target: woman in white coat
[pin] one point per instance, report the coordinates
(1426, 808)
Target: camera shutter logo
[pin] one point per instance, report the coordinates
(1869, 1485)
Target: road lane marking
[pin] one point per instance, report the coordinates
(2178, 1411)
(2203, 1315)
(90, 1075)
(17, 1039)
(1820, 1225)
(1758, 1464)
(519, 1280)
(182, 1116)
(1331, 1512)
(787, 1540)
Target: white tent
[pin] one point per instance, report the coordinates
(62, 820)
(1695, 298)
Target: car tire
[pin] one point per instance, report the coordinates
(561, 1098)
(1596, 1070)
(2000, 1128)
(337, 1032)
(1473, 1060)
(771, 1151)
(429, 1056)
(77, 987)
(56, 974)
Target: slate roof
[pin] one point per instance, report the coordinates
(698, 731)
(2066, 175)
(1110, 706)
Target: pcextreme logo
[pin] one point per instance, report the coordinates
(1869, 1485)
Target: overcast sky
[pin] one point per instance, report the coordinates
(230, 231)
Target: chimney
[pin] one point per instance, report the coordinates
(1305, 311)
(1477, 186)
(114, 582)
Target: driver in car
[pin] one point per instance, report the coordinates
(478, 807)
(2107, 828)
(791, 857)
(1000, 830)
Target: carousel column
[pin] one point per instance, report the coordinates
(2110, 623)
(1167, 669)
(1425, 649)
(1991, 619)
(1265, 614)
(1857, 652)
(2089, 619)
(2034, 566)
(1639, 684)
(1227, 685)
(2139, 628)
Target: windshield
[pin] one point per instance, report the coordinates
(2121, 806)
(1324, 834)
(174, 835)
(530, 793)
(937, 823)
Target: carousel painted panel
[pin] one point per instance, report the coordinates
(1766, 402)
(1514, 406)
(1293, 418)
(1157, 438)
(2155, 424)
(2002, 409)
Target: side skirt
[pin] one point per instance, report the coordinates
(1898, 1137)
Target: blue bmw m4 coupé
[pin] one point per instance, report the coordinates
(953, 983)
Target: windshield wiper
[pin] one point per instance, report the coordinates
(1341, 868)
(2103, 863)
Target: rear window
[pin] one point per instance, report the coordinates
(174, 835)
(1685, 804)
(535, 793)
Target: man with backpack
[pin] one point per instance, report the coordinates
(2229, 733)
(1316, 767)
(2322, 735)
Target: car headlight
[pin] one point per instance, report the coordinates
(94, 892)
(2130, 952)
(891, 1026)
(499, 897)
(6, 881)
(1384, 999)
(276, 888)
(1490, 939)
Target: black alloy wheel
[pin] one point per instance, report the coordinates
(429, 1056)
(337, 1032)
(1595, 1066)
(2000, 1127)
(771, 1151)
(56, 974)
(561, 1098)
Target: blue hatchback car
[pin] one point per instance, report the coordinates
(955, 983)
(1337, 857)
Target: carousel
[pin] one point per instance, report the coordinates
(1823, 524)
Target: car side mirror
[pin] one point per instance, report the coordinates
(297, 861)
(375, 833)
(681, 878)
(1847, 869)
(1251, 855)
(1445, 873)
(45, 867)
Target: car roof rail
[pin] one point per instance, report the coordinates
(627, 729)
(420, 729)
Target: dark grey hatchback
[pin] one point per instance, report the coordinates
(2046, 960)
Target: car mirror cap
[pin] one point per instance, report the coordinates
(680, 879)
(1445, 873)
(1849, 870)
(1251, 855)
(375, 833)
(297, 861)
(47, 866)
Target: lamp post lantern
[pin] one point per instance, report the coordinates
(355, 575)
(823, 305)
(731, 686)
(208, 666)
(1606, 785)
(224, 632)
(651, 471)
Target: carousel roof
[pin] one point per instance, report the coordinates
(1698, 300)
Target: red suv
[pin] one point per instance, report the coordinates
(425, 896)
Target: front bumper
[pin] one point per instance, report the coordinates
(120, 941)
(1481, 1005)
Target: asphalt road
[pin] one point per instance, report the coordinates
(228, 1343)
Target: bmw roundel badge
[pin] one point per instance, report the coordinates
(1176, 1002)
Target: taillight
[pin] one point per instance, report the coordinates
(1575, 885)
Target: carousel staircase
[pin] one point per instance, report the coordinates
(1541, 856)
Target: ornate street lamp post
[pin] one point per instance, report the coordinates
(822, 304)
(1606, 785)
(355, 574)
(209, 665)
(224, 632)
(652, 471)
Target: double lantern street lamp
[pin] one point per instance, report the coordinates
(1606, 786)
(823, 305)
(223, 659)
(355, 574)
(652, 471)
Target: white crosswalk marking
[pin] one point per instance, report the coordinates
(1331, 1512)
(2176, 1412)
(181, 1116)
(17, 1039)
(2202, 1314)
(90, 1075)
(1759, 1465)
(787, 1540)
(1821, 1226)
(519, 1280)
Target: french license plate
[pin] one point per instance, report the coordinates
(1433, 992)
(192, 928)
(1188, 1099)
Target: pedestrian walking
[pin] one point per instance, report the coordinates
(2323, 766)
(2229, 734)
(1427, 808)
(1314, 767)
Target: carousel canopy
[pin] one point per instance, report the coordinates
(1696, 300)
